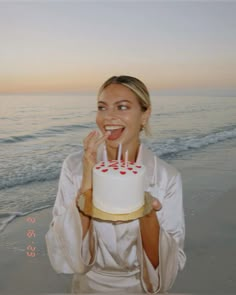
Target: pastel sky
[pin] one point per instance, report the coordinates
(48, 46)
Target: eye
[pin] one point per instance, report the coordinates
(101, 108)
(122, 107)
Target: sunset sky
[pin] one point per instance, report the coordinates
(69, 46)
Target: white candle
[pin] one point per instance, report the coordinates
(105, 159)
(139, 157)
(126, 159)
(119, 153)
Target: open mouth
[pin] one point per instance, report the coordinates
(116, 131)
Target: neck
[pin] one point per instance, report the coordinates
(112, 152)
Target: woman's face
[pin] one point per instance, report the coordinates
(120, 112)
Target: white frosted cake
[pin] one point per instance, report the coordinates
(118, 189)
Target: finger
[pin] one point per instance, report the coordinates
(102, 138)
(156, 205)
(88, 138)
(90, 141)
(93, 141)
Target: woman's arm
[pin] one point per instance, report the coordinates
(68, 248)
(161, 240)
(71, 241)
(150, 229)
(91, 143)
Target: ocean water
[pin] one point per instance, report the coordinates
(37, 132)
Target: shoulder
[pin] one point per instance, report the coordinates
(152, 160)
(165, 167)
(159, 171)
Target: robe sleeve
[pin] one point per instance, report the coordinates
(67, 251)
(171, 240)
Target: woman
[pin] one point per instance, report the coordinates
(141, 255)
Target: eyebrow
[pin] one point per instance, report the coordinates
(117, 102)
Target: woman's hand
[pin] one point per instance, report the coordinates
(156, 205)
(91, 143)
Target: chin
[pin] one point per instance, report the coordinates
(113, 143)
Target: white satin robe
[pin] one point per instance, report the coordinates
(119, 263)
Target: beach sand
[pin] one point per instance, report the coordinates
(210, 202)
(26, 274)
(210, 248)
(209, 182)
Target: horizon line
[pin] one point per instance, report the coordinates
(179, 91)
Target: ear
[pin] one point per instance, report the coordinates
(146, 115)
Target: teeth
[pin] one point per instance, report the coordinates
(109, 128)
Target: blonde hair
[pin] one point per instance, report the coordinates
(137, 87)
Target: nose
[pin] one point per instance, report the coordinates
(111, 112)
